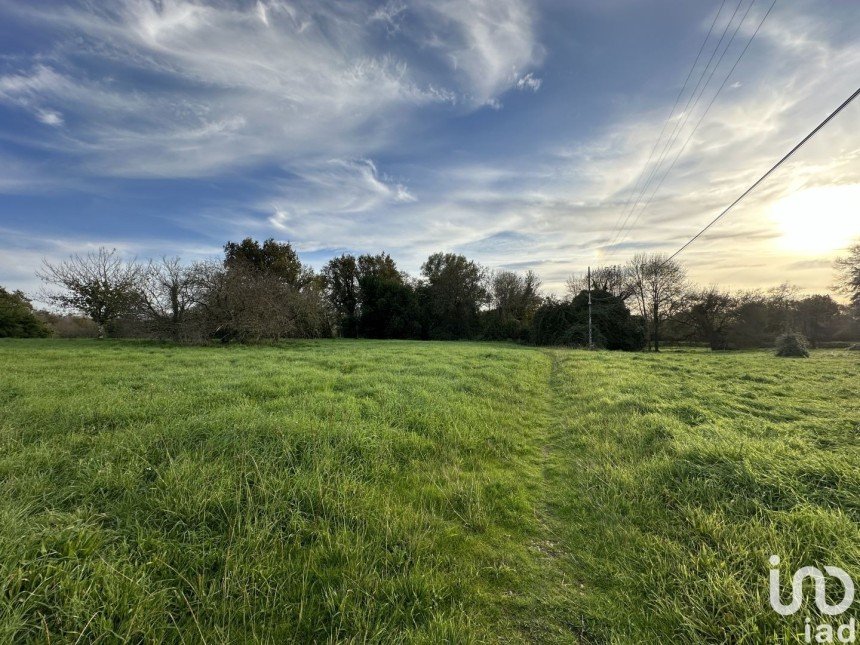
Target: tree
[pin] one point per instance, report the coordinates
(169, 290)
(515, 296)
(341, 288)
(388, 305)
(658, 285)
(708, 315)
(456, 290)
(612, 278)
(275, 258)
(816, 317)
(752, 321)
(782, 303)
(566, 323)
(17, 318)
(245, 304)
(848, 276)
(99, 285)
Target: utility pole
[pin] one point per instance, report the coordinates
(590, 344)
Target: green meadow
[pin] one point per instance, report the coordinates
(362, 491)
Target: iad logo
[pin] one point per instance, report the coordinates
(824, 633)
(797, 589)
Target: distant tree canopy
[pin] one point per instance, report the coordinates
(17, 317)
(261, 291)
(566, 323)
(707, 315)
(277, 259)
(341, 287)
(388, 305)
(514, 298)
(455, 292)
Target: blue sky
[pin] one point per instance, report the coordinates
(509, 130)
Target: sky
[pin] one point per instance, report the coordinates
(516, 132)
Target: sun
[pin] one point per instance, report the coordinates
(818, 220)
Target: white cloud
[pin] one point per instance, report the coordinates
(278, 81)
(529, 82)
(390, 14)
(327, 203)
(304, 85)
(50, 117)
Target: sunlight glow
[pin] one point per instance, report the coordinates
(818, 220)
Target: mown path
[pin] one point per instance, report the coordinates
(669, 480)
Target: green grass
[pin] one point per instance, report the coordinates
(417, 492)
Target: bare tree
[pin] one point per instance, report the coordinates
(657, 284)
(169, 290)
(100, 285)
(243, 303)
(612, 278)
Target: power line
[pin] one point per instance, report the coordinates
(676, 130)
(666, 122)
(767, 174)
(708, 108)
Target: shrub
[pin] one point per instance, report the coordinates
(792, 344)
(17, 318)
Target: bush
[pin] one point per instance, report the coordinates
(69, 325)
(792, 344)
(17, 318)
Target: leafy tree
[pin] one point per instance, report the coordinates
(388, 305)
(380, 266)
(848, 276)
(341, 285)
(455, 291)
(274, 258)
(708, 316)
(816, 317)
(390, 309)
(99, 285)
(514, 298)
(566, 323)
(752, 321)
(17, 317)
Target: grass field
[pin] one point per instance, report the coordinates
(418, 492)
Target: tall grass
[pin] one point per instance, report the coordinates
(684, 472)
(416, 492)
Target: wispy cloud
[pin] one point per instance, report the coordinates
(529, 82)
(197, 88)
(334, 97)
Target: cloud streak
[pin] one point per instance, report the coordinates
(194, 88)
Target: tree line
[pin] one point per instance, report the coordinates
(262, 291)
